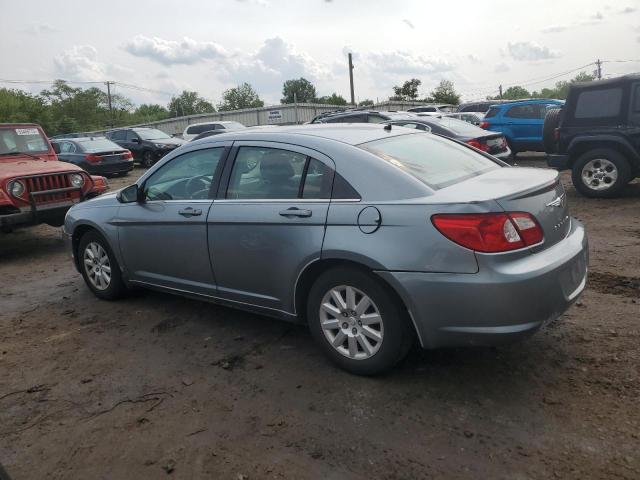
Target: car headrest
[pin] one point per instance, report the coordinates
(276, 166)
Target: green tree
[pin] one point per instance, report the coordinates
(408, 90)
(303, 89)
(515, 93)
(189, 103)
(18, 106)
(445, 92)
(333, 99)
(366, 103)
(237, 98)
(149, 113)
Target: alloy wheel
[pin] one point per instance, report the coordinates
(97, 265)
(599, 174)
(351, 322)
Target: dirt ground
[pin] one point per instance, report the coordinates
(157, 386)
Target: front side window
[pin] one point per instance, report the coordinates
(435, 161)
(187, 177)
(130, 136)
(118, 136)
(271, 173)
(603, 103)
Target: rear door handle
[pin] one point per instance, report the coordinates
(190, 212)
(295, 212)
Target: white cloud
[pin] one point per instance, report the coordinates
(555, 28)
(501, 68)
(262, 3)
(473, 59)
(171, 52)
(530, 51)
(80, 63)
(406, 63)
(408, 23)
(627, 10)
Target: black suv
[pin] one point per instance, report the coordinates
(597, 135)
(148, 145)
(359, 116)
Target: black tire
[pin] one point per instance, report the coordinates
(551, 122)
(615, 188)
(116, 287)
(398, 335)
(514, 152)
(148, 159)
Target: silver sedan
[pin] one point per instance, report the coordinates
(375, 236)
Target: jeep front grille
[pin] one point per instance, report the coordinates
(49, 184)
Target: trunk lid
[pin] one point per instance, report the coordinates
(536, 191)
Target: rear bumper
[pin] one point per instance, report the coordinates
(507, 300)
(559, 162)
(108, 168)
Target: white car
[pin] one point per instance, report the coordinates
(195, 129)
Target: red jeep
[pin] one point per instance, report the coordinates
(34, 186)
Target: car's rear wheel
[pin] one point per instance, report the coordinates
(601, 173)
(147, 159)
(99, 267)
(357, 322)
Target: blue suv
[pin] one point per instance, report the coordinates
(520, 122)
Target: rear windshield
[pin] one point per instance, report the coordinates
(98, 145)
(22, 139)
(460, 127)
(435, 161)
(492, 112)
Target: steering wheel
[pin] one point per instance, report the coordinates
(197, 188)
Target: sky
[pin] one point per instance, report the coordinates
(209, 46)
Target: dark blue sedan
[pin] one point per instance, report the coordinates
(96, 155)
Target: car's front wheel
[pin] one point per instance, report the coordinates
(99, 267)
(147, 159)
(601, 172)
(357, 322)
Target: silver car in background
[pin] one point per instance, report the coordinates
(375, 236)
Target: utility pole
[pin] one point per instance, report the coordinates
(500, 90)
(353, 100)
(599, 69)
(109, 102)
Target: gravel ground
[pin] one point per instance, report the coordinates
(157, 386)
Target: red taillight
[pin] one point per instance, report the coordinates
(480, 146)
(91, 158)
(484, 125)
(490, 232)
(127, 155)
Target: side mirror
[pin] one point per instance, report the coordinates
(135, 140)
(56, 148)
(130, 194)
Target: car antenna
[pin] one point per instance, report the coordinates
(387, 127)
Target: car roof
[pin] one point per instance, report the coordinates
(351, 134)
(211, 122)
(607, 82)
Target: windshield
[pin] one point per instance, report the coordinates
(22, 139)
(98, 145)
(435, 161)
(152, 134)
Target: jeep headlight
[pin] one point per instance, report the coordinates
(77, 180)
(16, 188)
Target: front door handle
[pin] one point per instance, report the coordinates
(295, 212)
(190, 212)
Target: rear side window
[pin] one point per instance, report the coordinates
(435, 161)
(524, 111)
(599, 103)
(198, 129)
(492, 112)
(270, 173)
(469, 108)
